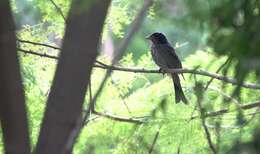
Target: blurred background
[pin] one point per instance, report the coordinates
(221, 37)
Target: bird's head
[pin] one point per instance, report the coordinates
(157, 38)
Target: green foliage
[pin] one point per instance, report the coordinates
(151, 95)
(37, 75)
(237, 24)
(177, 130)
(233, 31)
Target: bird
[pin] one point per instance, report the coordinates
(164, 56)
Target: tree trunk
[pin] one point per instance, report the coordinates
(84, 26)
(12, 101)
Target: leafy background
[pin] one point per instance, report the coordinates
(192, 23)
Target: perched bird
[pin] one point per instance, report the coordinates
(165, 57)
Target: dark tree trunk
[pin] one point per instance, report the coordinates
(84, 26)
(12, 101)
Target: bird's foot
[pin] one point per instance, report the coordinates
(162, 71)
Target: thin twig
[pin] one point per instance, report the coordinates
(119, 118)
(154, 140)
(39, 44)
(208, 136)
(52, 57)
(58, 9)
(91, 119)
(223, 111)
(192, 113)
(236, 126)
(127, 107)
(100, 63)
(252, 117)
(229, 98)
(122, 98)
(222, 66)
(207, 133)
(199, 92)
(37, 54)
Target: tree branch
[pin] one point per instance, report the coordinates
(58, 9)
(15, 137)
(223, 111)
(229, 98)
(222, 66)
(40, 44)
(199, 94)
(140, 120)
(38, 54)
(154, 140)
(122, 98)
(119, 118)
(63, 119)
(142, 70)
(45, 55)
(185, 70)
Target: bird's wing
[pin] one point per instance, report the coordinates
(157, 57)
(169, 55)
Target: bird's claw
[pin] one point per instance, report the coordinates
(162, 71)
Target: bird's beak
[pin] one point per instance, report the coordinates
(148, 37)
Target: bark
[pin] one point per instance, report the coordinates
(12, 101)
(64, 106)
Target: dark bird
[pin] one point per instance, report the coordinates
(165, 57)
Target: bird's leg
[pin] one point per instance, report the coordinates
(161, 70)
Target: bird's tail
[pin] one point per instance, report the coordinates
(179, 95)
